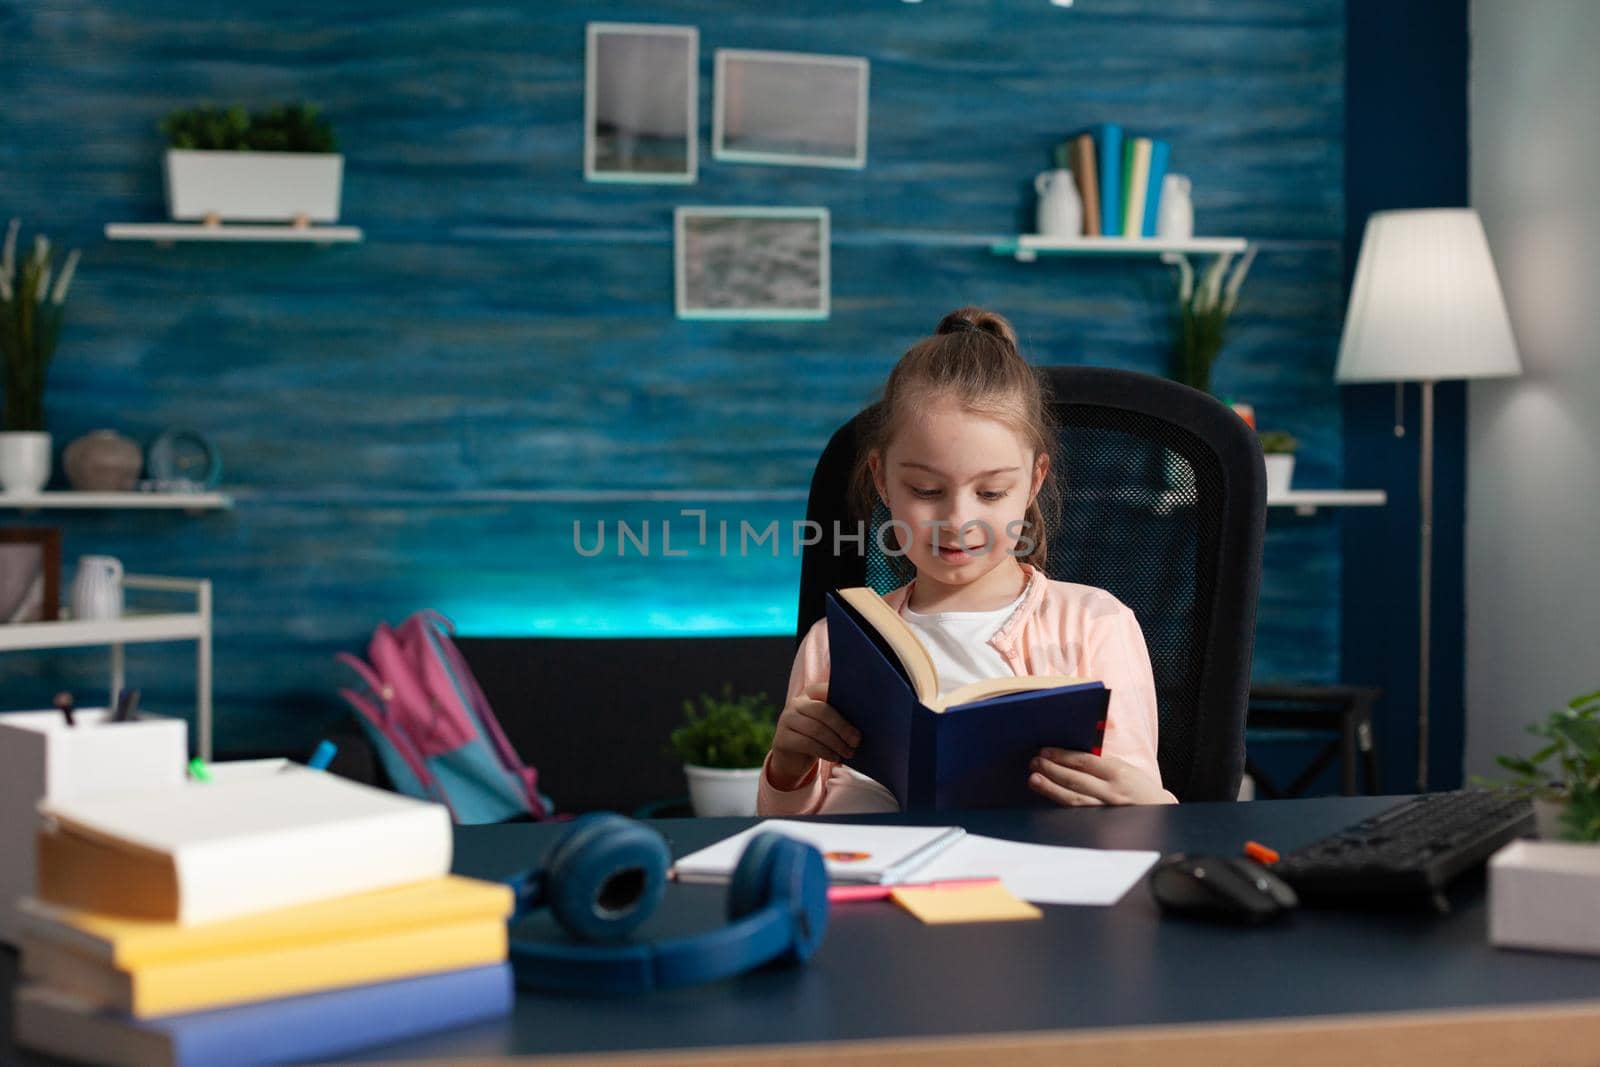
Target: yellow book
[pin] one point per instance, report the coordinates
(132, 943)
(175, 986)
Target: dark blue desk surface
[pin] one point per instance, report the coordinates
(881, 974)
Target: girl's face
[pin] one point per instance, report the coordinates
(961, 483)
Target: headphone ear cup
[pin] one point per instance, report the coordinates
(778, 870)
(605, 876)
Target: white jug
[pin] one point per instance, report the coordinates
(97, 589)
(1060, 210)
(1175, 216)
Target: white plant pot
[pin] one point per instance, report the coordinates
(1547, 815)
(24, 461)
(254, 186)
(1280, 472)
(714, 791)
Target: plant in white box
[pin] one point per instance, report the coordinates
(278, 165)
(723, 744)
(1565, 772)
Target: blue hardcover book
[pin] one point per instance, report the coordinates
(269, 1032)
(1108, 150)
(969, 748)
(1160, 152)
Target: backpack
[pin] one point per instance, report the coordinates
(433, 728)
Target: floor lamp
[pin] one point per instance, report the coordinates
(1426, 306)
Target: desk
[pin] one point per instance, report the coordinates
(1106, 986)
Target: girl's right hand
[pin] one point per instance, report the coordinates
(808, 730)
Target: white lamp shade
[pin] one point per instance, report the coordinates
(1426, 304)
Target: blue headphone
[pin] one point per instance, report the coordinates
(606, 875)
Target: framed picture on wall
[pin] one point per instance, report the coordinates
(641, 103)
(751, 262)
(790, 108)
(30, 574)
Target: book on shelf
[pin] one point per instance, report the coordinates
(200, 852)
(967, 748)
(1138, 186)
(1160, 154)
(1088, 181)
(1108, 151)
(293, 1029)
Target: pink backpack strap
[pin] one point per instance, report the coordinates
(436, 727)
(402, 744)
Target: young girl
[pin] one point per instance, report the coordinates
(960, 457)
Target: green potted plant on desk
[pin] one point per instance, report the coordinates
(1277, 448)
(1564, 774)
(277, 165)
(722, 744)
(1203, 309)
(31, 305)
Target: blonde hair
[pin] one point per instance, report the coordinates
(971, 358)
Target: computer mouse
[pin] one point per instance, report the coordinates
(1222, 888)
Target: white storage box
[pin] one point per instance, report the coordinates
(1545, 895)
(41, 757)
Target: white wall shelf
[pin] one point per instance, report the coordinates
(1028, 247)
(50, 501)
(168, 232)
(135, 628)
(1307, 501)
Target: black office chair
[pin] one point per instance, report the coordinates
(1163, 503)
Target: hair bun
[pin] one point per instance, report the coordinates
(978, 320)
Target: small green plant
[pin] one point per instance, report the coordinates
(1277, 443)
(1203, 309)
(283, 128)
(728, 732)
(30, 321)
(1567, 767)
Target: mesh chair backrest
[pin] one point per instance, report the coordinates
(1162, 504)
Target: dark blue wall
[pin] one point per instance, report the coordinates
(418, 420)
(1406, 147)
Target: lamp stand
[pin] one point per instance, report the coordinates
(1425, 582)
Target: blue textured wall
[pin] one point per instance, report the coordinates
(418, 420)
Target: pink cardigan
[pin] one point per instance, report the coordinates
(1059, 628)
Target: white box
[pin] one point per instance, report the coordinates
(1545, 895)
(41, 757)
(254, 186)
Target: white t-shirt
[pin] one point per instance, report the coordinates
(958, 641)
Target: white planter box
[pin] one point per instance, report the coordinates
(41, 757)
(714, 791)
(1280, 472)
(254, 186)
(1545, 895)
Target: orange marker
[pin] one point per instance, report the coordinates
(1260, 853)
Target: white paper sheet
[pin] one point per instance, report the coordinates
(1043, 874)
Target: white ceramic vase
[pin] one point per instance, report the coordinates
(714, 791)
(1060, 211)
(24, 461)
(1175, 215)
(97, 589)
(1280, 472)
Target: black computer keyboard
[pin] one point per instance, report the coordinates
(1412, 850)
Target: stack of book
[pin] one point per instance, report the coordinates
(1119, 179)
(263, 920)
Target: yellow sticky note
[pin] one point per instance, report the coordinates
(964, 904)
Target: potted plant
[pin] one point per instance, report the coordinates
(278, 165)
(31, 308)
(723, 743)
(1564, 774)
(1277, 448)
(1203, 310)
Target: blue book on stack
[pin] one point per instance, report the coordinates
(269, 1032)
(1108, 151)
(1160, 153)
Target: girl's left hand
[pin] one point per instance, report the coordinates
(1077, 779)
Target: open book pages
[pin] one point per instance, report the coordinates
(891, 855)
(919, 666)
(862, 855)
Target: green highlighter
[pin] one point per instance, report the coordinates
(197, 770)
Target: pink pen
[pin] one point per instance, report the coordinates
(839, 894)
